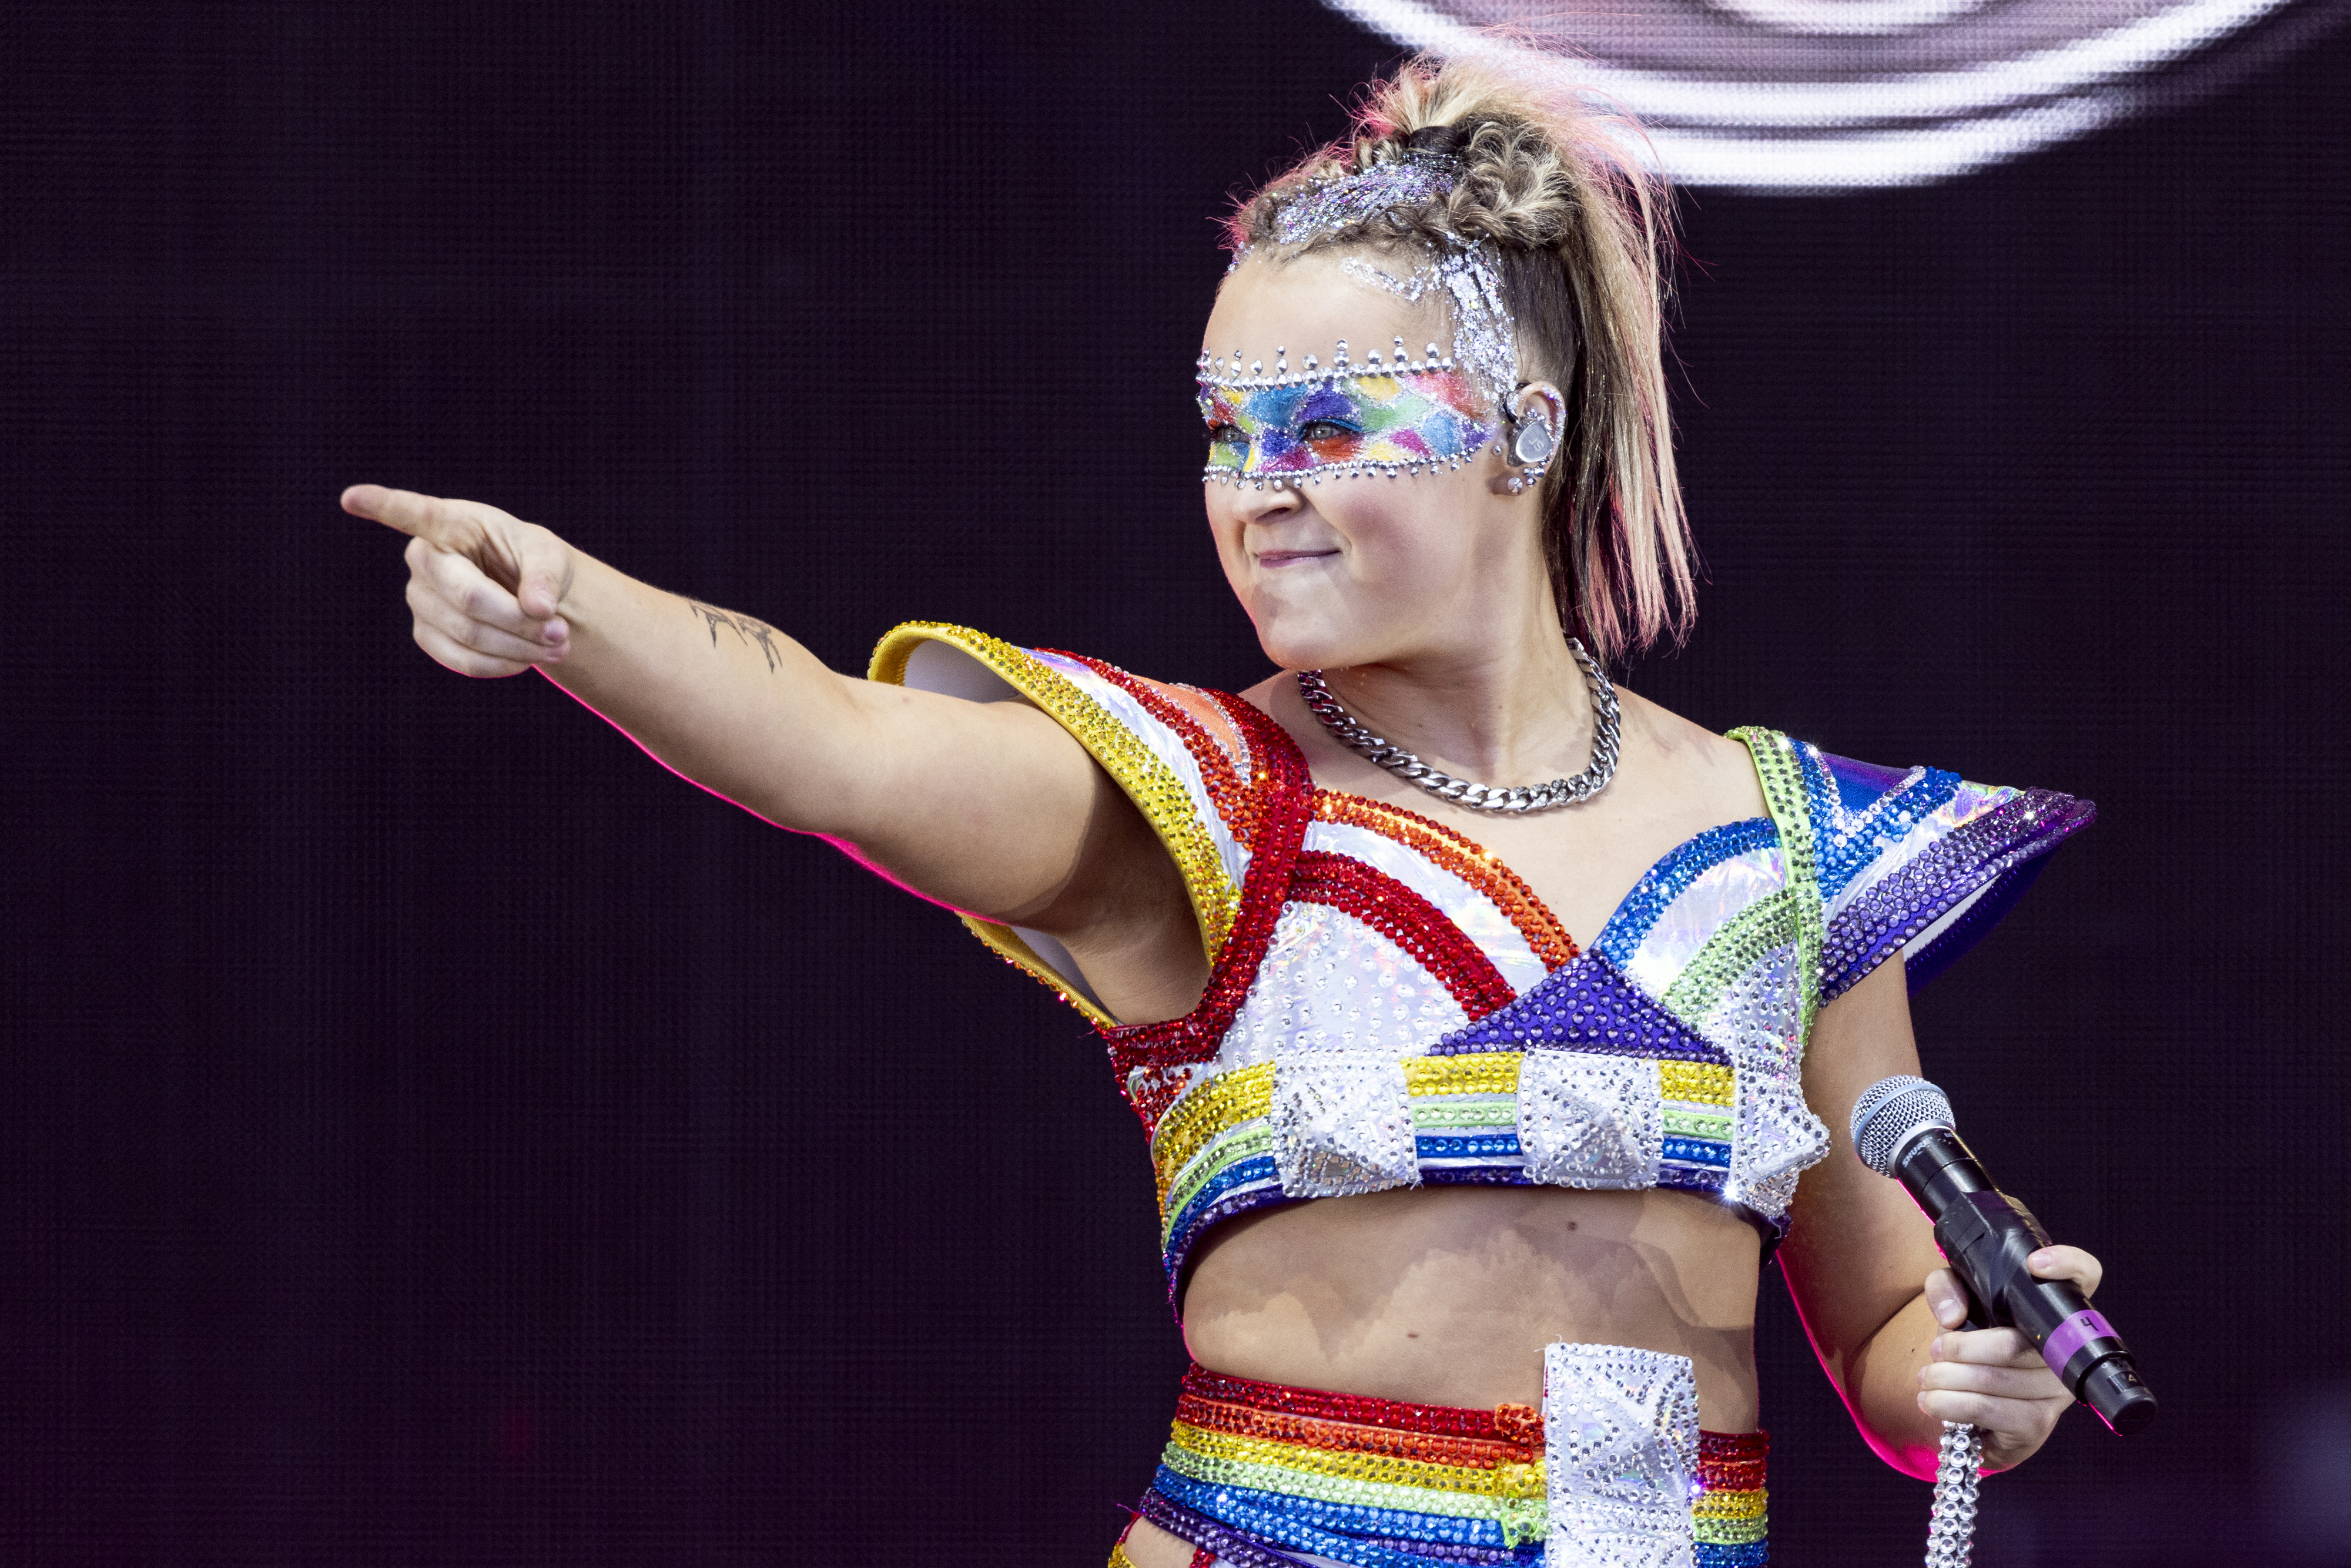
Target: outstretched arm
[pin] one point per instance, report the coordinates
(1859, 1248)
(988, 807)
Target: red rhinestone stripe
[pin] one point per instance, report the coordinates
(1727, 1461)
(1732, 1461)
(1355, 1409)
(1147, 1056)
(1471, 861)
(1282, 1426)
(1408, 920)
(1235, 801)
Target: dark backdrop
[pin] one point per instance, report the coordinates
(429, 1133)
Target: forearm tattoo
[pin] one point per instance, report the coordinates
(747, 630)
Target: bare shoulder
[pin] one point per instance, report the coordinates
(1691, 759)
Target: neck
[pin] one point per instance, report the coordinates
(1513, 710)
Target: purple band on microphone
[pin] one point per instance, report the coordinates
(2072, 1335)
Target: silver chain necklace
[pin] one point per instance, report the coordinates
(1606, 734)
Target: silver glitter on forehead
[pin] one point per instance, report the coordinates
(1412, 288)
(1465, 269)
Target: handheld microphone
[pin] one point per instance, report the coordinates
(1902, 1128)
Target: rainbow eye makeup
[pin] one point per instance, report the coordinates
(1394, 418)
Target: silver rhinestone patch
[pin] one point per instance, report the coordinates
(1620, 1440)
(1590, 1120)
(1341, 1123)
(1774, 1136)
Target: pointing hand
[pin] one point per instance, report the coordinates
(486, 589)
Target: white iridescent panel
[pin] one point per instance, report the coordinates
(1458, 900)
(1970, 801)
(1620, 1450)
(1704, 907)
(1329, 982)
(1166, 745)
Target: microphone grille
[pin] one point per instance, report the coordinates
(1889, 1113)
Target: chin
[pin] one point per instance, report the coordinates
(1298, 641)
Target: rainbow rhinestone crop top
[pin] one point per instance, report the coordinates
(1388, 1005)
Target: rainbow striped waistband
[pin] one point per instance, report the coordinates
(1259, 1475)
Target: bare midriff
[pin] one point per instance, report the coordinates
(1447, 1295)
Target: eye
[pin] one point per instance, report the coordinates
(1227, 435)
(1315, 431)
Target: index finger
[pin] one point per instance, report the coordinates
(2063, 1262)
(427, 517)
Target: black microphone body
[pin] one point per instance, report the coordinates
(1986, 1236)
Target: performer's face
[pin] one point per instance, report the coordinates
(1357, 569)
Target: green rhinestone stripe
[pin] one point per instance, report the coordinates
(1152, 786)
(1690, 1124)
(1495, 1112)
(1737, 943)
(1781, 770)
(1729, 1532)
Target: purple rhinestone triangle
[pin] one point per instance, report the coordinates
(1589, 1005)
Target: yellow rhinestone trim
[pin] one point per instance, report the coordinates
(1150, 783)
(1008, 946)
(1729, 1505)
(1421, 1478)
(1216, 1106)
(1694, 1083)
(1729, 1518)
(1482, 1072)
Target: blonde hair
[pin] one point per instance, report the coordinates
(1580, 232)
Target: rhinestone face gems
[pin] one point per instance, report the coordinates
(1464, 270)
(1389, 416)
(1397, 418)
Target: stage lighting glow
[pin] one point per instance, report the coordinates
(1826, 95)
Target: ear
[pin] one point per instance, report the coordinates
(1533, 421)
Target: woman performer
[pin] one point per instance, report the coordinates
(1474, 1110)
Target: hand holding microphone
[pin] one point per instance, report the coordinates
(1902, 1128)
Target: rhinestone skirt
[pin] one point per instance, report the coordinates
(1261, 1475)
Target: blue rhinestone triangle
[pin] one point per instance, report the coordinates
(1589, 1005)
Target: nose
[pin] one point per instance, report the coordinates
(1266, 495)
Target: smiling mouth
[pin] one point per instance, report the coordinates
(1291, 556)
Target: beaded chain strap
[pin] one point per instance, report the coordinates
(1952, 1523)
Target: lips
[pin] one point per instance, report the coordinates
(1291, 556)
